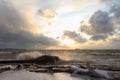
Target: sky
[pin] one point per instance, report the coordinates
(60, 24)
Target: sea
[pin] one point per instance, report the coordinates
(103, 57)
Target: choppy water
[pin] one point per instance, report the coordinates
(106, 56)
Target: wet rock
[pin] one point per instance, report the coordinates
(19, 66)
(6, 68)
(46, 59)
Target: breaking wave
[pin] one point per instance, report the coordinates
(28, 55)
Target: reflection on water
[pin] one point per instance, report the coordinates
(25, 75)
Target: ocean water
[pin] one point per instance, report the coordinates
(98, 56)
(111, 57)
(81, 55)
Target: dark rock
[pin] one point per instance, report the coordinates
(19, 66)
(6, 68)
(47, 59)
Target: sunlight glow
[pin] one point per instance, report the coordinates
(67, 42)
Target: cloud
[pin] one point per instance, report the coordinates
(100, 23)
(105, 0)
(114, 9)
(104, 25)
(24, 39)
(103, 22)
(15, 30)
(9, 16)
(13, 20)
(74, 36)
(99, 37)
(47, 13)
(114, 43)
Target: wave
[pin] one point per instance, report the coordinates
(28, 55)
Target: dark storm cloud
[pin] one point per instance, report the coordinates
(105, 0)
(100, 27)
(103, 25)
(99, 37)
(114, 8)
(74, 36)
(23, 39)
(14, 31)
(114, 12)
(100, 23)
(9, 17)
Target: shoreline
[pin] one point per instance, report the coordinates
(58, 69)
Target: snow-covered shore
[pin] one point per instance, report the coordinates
(26, 75)
(77, 74)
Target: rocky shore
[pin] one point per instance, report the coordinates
(53, 64)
